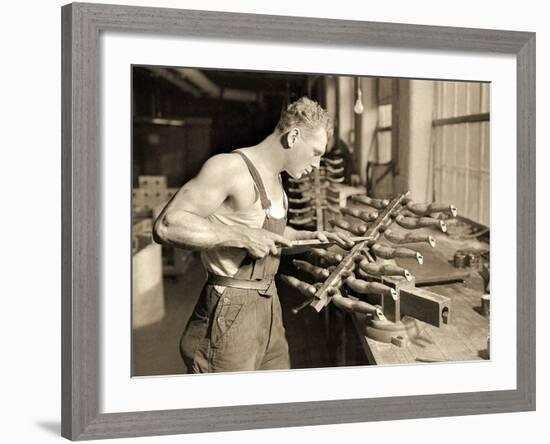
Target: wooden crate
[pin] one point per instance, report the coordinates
(149, 199)
(152, 183)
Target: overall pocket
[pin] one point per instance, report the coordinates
(225, 316)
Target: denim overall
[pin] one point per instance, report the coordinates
(240, 329)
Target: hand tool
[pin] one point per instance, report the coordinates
(387, 252)
(303, 287)
(355, 306)
(323, 296)
(332, 162)
(424, 209)
(357, 229)
(355, 271)
(408, 238)
(299, 200)
(365, 216)
(300, 189)
(301, 246)
(300, 210)
(364, 287)
(326, 257)
(335, 180)
(334, 171)
(379, 204)
(412, 222)
(375, 269)
(317, 273)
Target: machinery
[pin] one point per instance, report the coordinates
(365, 279)
(314, 196)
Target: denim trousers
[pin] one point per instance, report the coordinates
(237, 330)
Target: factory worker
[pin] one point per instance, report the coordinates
(234, 213)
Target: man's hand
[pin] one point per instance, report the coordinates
(341, 239)
(259, 242)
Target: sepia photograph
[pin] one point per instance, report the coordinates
(285, 221)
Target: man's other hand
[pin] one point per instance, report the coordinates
(343, 240)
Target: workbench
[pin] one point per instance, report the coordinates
(465, 338)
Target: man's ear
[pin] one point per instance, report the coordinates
(289, 138)
(292, 137)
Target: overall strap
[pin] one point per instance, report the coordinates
(266, 203)
(285, 198)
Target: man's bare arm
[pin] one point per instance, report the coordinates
(183, 221)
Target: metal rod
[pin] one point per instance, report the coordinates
(481, 117)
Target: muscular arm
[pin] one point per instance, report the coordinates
(183, 222)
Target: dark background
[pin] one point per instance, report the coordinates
(209, 125)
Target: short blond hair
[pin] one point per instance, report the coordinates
(307, 114)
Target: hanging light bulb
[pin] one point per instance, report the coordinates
(358, 108)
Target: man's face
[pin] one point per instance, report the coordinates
(305, 151)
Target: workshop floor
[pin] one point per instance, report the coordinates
(156, 347)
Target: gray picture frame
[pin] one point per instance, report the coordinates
(81, 247)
